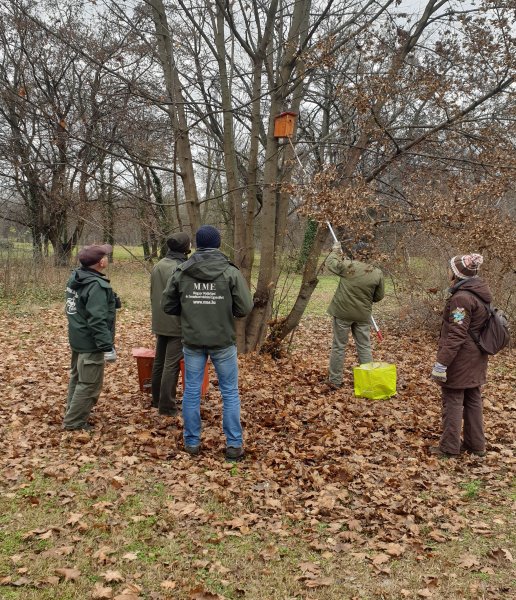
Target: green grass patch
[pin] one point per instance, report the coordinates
(471, 489)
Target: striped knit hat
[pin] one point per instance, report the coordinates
(466, 266)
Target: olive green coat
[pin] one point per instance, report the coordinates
(163, 324)
(359, 286)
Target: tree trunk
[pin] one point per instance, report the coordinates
(230, 162)
(106, 197)
(275, 201)
(177, 112)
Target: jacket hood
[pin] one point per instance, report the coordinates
(174, 255)
(84, 276)
(205, 265)
(475, 285)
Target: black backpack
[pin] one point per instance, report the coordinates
(494, 335)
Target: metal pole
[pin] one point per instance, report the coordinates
(332, 232)
(377, 329)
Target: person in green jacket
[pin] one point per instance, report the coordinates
(209, 292)
(359, 286)
(90, 308)
(167, 329)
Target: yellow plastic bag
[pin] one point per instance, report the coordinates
(375, 380)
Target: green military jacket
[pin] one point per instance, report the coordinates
(163, 324)
(90, 308)
(359, 286)
(208, 291)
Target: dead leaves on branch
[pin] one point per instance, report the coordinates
(458, 212)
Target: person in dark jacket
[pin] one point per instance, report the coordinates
(90, 308)
(167, 328)
(360, 284)
(209, 292)
(461, 366)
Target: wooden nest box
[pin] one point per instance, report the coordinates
(284, 124)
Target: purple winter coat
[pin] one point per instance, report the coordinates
(467, 364)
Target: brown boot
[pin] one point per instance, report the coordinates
(437, 452)
(467, 450)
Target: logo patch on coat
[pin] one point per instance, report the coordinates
(459, 315)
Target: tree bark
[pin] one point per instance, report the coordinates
(177, 112)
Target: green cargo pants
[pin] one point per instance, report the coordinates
(86, 377)
(360, 333)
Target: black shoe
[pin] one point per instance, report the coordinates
(193, 450)
(169, 412)
(86, 427)
(332, 387)
(234, 454)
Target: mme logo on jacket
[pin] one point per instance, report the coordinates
(204, 293)
(71, 306)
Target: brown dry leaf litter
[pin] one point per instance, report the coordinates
(344, 472)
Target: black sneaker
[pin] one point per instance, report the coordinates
(331, 387)
(169, 412)
(85, 427)
(193, 450)
(234, 454)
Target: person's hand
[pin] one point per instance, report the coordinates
(110, 357)
(439, 373)
(337, 247)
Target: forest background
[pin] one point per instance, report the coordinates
(125, 121)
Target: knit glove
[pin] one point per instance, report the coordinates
(337, 247)
(439, 373)
(110, 357)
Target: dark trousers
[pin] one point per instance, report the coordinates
(459, 405)
(165, 373)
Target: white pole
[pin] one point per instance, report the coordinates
(332, 232)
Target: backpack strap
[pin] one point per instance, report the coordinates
(475, 337)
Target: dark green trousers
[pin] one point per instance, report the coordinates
(86, 378)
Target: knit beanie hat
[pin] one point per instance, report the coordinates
(91, 255)
(207, 237)
(466, 266)
(179, 242)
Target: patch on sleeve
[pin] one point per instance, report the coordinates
(458, 315)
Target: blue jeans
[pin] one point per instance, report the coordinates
(226, 365)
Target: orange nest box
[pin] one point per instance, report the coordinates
(284, 124)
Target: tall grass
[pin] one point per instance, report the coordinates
(25, 281)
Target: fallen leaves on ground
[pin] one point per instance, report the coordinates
(343, 470)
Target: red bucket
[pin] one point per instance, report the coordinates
(144, 361)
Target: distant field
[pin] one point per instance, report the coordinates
(24, 249)
(25, 283)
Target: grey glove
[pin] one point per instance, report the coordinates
(110, 357)
(337, 247)
(439, 373)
